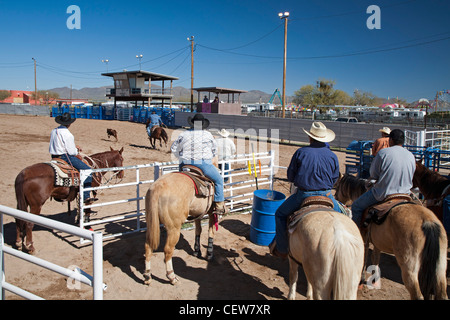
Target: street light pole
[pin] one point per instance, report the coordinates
(139, 57)
(191, 39)
(106, 62)
(285, 17)
(35, 84)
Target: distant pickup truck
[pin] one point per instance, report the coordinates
(347, 119)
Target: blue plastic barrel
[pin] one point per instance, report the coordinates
(262, 227)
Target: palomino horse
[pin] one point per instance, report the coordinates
(35, 184)
(160, 134)
(414, 235)
(170, 200)
(433, 186)
(330, 248)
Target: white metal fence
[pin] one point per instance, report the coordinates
(435, 138)
(96, 280)
(238, 190)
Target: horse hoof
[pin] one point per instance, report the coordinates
(147, 278)
(197, 254)
(172, 278)
(18, 244)
(210, 257)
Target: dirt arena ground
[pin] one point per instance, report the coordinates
(241, 271)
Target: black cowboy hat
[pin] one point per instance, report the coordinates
(198, 117)
(65, 119)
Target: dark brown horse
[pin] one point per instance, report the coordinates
(35, 184)
(158, 133)
(433, 186)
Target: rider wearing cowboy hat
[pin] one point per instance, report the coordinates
(382, 142)
(198, 147)
(226, 148)
(314, 170)
(62, 145)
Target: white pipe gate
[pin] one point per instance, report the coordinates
(233, 190)
(96, 280)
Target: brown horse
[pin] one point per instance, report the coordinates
(330, 248)
(35, 184)
(160, 134)
(414, 235)
(169, 201)
(433, 186)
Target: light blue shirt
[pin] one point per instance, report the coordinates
(393, 168)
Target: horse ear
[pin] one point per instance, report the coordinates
(111, 148)
(121, 150)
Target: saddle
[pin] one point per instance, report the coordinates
(65, 174)
(204, 187)
(309, 205)
(379, 212)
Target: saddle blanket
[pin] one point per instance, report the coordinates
(65, 175)
(204, 187)
(309, 205)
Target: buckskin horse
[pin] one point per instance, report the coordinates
(160, 134)
(170, 200)
(414, 235)
(329, 246)
(433, 186)
(36, 183)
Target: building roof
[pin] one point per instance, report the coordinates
(144, 74)
(218, 90)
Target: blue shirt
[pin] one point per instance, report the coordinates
(155, 120)
(314, 167)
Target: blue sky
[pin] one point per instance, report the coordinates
(239, 44)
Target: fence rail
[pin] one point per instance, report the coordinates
(96, 280)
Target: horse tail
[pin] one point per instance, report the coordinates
(430, 259)
(20, 196)
(152, 218)
(347, 263)
(164, 136)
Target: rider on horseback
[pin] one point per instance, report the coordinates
(314, 170)
(393, 168)
(155, 120)
(198, 147)
(62, 145)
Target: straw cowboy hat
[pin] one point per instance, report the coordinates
(197, 118)
(320, 133)
(65, 119)
(224, 133)
(385, 130)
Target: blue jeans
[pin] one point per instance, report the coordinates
(211, 172)
(362, 203)
(226, 167)
(292, 204)
(80, 165)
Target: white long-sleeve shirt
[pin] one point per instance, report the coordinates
(62, 141)
(194, 145)
(225, 148)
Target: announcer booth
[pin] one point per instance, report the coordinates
(231, 104)
(138, 86)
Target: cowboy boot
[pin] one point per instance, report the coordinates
(220, 208)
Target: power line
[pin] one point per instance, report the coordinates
(355, 53)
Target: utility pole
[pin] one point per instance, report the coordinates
(191, 39)
(285, 17)
(35, 84)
